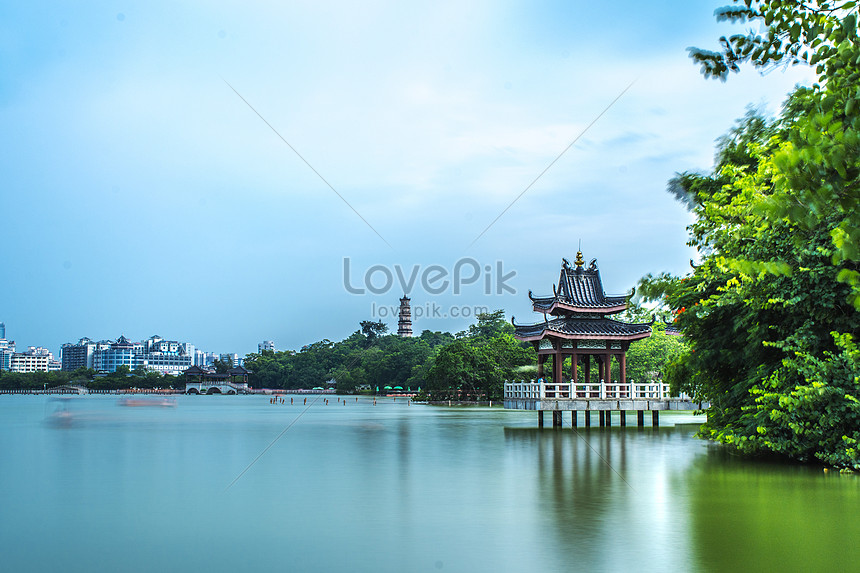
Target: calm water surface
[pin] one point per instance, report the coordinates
(392, 487)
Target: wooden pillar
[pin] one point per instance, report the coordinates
(608, 418)
(640, 418)
(540, 418)
(587, 418)
(574, 362)
(557, 362)
(602, 416)
(573, 418)
(655, 418)
(587, 368)
(556, 418)
(607, 362)
(623, 361)
(623, 416)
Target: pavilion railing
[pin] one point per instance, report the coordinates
(541, 390)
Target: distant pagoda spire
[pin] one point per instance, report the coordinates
(404, 323)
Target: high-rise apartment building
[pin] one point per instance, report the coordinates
(80, 355)
(266, 345)
(7, 349)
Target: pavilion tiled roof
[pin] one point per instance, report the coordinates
(238, 371)
(568, 327)
(581, 288)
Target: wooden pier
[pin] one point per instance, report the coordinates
(601, 398)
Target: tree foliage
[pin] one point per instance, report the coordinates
(367, 357)
(771, 311)
(223, 366)
(816, 165)
(650, 357)
(476, 365)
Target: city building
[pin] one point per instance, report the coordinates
(34, 359)
(266, 345)
(80, 355)
(233, 358)
(154, 353)
(119, 353)
(7, 349)
(165, 356)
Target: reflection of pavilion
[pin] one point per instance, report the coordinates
(582, 331)
(200, 381)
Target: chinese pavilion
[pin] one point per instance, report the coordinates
(581, 326)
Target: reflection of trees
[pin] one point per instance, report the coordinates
(754, 514)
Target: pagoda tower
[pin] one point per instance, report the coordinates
(581, 326)
(404, 323)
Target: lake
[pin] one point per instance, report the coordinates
(350, 486)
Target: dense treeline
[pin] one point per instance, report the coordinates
(771, 310)
(367, 357)
(470, 365)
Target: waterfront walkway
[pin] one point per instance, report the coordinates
(600, 397)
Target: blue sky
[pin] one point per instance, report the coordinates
(142, 196)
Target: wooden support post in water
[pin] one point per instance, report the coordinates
(540, 418)
(573, 417)
(640, 418)
(623, 418)
(602, 415)
(556, 418)
(655, 418)
(587, 419)
(608, 418)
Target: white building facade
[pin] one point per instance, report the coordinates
(34, 359)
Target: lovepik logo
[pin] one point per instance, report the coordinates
(433, 279)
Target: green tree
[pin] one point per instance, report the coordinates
(653, 354)
(476, 365)
(223, 366)
(373, 329)
(770, 312)
(816, 166)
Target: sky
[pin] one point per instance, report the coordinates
(224, 173)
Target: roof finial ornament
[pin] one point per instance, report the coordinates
(579, 260)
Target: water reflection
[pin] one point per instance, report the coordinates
(770, 515)
(393, 488)
(605, 498)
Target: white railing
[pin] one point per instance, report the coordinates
(541, 390)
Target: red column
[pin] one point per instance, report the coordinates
(607, 360)
(574, 362)
(557, 362)
(587, 368)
